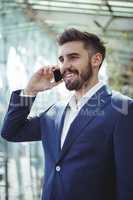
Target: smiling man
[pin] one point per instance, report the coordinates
(76, 57)
(88, 141)
(76, 69)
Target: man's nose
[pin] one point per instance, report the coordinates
(65, 65)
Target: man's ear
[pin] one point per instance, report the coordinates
(96, 60)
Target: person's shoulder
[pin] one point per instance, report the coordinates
(121, 102)
(118, 96)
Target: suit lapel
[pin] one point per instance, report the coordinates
(59, 121)
(87, 113)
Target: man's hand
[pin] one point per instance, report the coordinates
(41, 81)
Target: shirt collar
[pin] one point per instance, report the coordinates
(74, 105)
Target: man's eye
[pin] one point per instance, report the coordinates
(74, 57)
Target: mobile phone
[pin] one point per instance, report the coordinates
(57, 75)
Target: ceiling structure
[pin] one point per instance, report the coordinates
(103, 15)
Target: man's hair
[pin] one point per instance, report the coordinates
(91, 41)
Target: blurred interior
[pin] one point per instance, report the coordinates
(28, 30)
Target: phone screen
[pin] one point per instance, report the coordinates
(57, 75)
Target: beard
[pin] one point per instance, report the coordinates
(80, 79)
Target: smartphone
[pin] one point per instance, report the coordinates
(57, 75)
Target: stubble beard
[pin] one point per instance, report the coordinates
(81, 79)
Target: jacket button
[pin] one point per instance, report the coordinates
(58, 168)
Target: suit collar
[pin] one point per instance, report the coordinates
(87, 113)
(74, 105)
(59, 121)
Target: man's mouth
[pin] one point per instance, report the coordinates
(69, 76)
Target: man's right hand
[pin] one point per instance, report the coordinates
(41, 81)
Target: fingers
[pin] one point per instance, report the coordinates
(47, 72)
(40, 71)
(54, 67)
(47, 69)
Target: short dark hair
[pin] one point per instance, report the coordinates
(89, 40)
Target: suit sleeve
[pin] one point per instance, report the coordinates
(123, 150)
(17, 127)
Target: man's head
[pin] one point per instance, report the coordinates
(81, 55)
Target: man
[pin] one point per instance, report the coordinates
(88, 142)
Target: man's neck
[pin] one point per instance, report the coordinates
(85, 88)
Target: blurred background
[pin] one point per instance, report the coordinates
(28, 31)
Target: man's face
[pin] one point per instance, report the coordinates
(75, 65)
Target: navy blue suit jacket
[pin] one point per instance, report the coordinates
(96, 161)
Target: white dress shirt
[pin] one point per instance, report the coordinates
(74, 107)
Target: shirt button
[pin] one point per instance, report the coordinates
(58, 168)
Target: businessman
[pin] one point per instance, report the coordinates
(88, 142)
